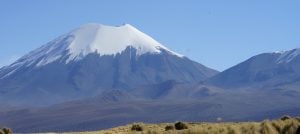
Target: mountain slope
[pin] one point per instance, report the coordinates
(102, 112)
(264, 70)
(90, 60)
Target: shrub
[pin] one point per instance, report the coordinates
(169, 127)
(286, 117)
(180, 126)
(136, 127)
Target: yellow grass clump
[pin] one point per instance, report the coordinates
(280, 126)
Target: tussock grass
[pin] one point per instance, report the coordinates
(281, 126)
(5, 130)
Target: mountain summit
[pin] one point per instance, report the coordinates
(93, 38)
(108, 40)
(92, 59)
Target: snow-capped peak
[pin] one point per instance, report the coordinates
(111, 40)
(93, 38)
(288, 56)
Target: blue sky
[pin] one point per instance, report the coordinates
(216, 33)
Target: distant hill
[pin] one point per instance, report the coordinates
(267, 70)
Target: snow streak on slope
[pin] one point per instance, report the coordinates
(288, 56)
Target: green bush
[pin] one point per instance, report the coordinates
(169, 127)
(180, 126)
(136, 127)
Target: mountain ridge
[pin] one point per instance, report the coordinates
(262, 70)
(92, 59)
